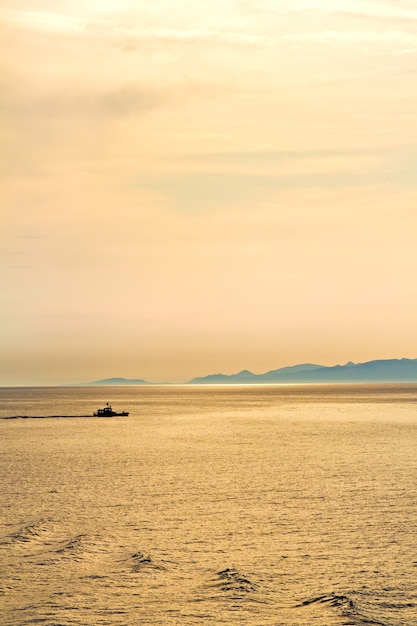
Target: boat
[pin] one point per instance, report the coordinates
(108, 412)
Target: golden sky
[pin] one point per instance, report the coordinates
(196, 187)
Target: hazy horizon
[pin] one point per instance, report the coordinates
(110, 380)
(189, 189)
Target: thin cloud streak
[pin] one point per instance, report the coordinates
(354, 8)
(57, 24)
(342, 37)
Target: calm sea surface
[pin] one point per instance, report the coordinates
(286, 506)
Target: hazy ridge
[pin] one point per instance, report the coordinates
(118, 381)
(383, 370)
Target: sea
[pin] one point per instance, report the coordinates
(238, 505)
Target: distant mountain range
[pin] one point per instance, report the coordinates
(118, 381)
(390, 370)
(382, 371)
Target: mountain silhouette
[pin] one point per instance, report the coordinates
(388, 370)
(380, 371)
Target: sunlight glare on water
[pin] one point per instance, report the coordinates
(291, 506)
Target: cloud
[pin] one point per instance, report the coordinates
(46, 22)
(363, 8)
(383, 10)
(284, 155)
(131, 36)
(392, 39)
(121, 101)
(58, 24)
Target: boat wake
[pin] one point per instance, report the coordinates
(40, 417)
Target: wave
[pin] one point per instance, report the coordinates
(230, 584)
(27, 533)
(139, 561)
(71, 547)
(332, 599)
(231, 579)
(356, 616)
(44, 543)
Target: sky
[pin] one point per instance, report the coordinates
(200, 187)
